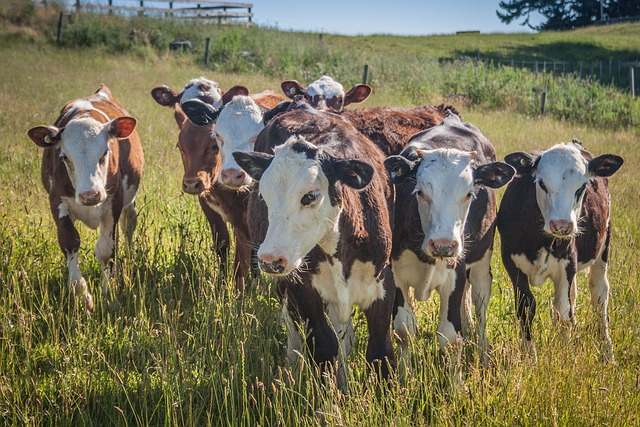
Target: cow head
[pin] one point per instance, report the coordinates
(300, 185)
(199, 153)
(326, 94)
(561, 176)
(200, 88)
(237, 127)
(84, 146)
(446, 181)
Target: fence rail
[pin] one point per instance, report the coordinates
(222, 12)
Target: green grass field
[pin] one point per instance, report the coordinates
(180, 348)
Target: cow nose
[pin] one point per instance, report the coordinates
(272, 264)
(192, 185)
(442, 248)
(90, 198)
(561, 227)
(233, 177)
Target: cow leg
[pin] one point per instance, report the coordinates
(346, 335)
(303, 310)
(242, 257)
(565, 290)
(481, 280)
(524, 300)
(105, 248)
(69, 241)
(404, 326)
(219, 231)
(599, 290)
(450, 320)
(129, 221)
(380, 353)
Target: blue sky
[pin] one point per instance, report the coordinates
(401, 17)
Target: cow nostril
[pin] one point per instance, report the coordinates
(271, 264)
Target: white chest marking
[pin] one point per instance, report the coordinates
(543, 267)
(361, 288)
(424, 278)
(89, 215)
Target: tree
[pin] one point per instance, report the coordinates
(564, 15)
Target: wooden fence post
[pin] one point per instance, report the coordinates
(543, 102)
(632, 82)
(59, 33)
(206, 51)
(365, 74)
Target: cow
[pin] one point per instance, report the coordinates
(389, 128)
(320, 215)
(200, 154)
(554, 220)
(444, 228)
(91, 168)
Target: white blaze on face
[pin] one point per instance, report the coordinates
(237, 128)
(561, 177)
(324, 88)
(202, 88)
(85, 151)
(444, 188)
(296, 225)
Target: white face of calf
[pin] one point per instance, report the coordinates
(326, 93)
(295, 186)
(238, 126)
(561, 175)
(445, 184)
(84, 149)
(204, 89)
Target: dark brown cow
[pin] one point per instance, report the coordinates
(201, 160)
(91, 167)
(444, 226)
(320, 214)
(553, 222)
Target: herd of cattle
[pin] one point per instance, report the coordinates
(346, 207)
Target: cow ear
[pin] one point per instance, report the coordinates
(358, 93)
(253, 162)
(522, 162)
(234, 91)
(165, 96)
(200, 113)
(122, 127)
(292, 88)
(605, 165)
(400, 168)
(278, 109)
(45, 136)
(353, 173)
(493, 175)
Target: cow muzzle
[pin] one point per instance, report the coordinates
(561, 228)
(193, 185)
(441, 248)
(91, 197)
(272, 264)
(233, 178)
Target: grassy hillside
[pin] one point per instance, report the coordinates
(180, 348)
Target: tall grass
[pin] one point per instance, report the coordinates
(175, 345)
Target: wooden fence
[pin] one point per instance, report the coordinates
(221, 12)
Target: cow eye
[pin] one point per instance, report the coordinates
(542, 186)
(469, 195)
(104, 158)
(310, 198)
(580, 191)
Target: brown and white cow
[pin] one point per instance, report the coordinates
(554, 221)
(320, 215)
(200, 154)
(326, 93)
(91, 167)
(445, 214)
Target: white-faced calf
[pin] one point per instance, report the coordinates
(324, 229)
(91, 167)
(444, 226)
(554, 221)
